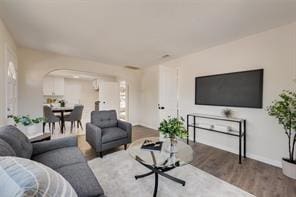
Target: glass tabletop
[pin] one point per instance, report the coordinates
(180, 155)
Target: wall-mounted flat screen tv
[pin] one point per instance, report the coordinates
(239, 89)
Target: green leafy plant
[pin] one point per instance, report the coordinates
(284, 110)
(62, 103)
(173, 127)
(26, 120)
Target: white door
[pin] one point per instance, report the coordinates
(109, 96)
(11, 83)
(168, 91)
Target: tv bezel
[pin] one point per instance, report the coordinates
(223, 74)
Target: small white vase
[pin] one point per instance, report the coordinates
(289, 169)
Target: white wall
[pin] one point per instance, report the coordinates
(149, 97)
(273, 50)
(34, 65)
(6, 40)
(79, 91)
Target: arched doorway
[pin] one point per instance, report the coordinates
(79, 88)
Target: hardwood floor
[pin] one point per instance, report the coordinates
(253, 176)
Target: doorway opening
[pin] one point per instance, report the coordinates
(123, 111)
(11, 84)
(66, 90)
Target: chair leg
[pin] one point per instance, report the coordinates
(72, 126)
(80, 124)
(49, 126)
(100, 154)
(43, 127)
(77, 125)
(52, 128)
(125, 146)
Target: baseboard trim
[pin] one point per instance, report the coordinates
(249, 155)
(148, 126)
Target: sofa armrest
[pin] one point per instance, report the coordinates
(127, 127)
(45, 146)
(94, 136)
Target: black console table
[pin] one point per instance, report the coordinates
(192, 122)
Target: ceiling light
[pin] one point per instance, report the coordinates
(132, 67)
(165, 56)
(76, 77)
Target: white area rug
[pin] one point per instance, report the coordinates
(116, 172)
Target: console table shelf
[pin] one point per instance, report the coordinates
(192, 120)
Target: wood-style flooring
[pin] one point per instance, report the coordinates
(255, 177)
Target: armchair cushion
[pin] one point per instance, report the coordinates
(104, 119)
(17, 141)
(45, 146)
(113, 134)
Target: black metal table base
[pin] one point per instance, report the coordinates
(158, 171)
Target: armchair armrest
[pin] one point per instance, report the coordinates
(127, 127)
(45, 146)
(94, 136)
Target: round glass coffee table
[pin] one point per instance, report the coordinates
(165, 158)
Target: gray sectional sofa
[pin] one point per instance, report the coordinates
(62, 155)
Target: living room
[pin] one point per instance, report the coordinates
(163, 50)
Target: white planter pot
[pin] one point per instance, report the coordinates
(289, 169)
(30, 131)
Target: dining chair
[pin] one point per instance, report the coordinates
(75, 116)
(49, 118)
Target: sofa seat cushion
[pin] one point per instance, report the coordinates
(112, 134)
(82, 179)
(60, 157)
(18, 141)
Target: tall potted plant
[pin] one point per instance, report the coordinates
(284, 110)
(173, 128)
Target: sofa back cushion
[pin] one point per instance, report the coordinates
(17, 141)
(104, 119)
(6, 149)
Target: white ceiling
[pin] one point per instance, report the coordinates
(138, 32)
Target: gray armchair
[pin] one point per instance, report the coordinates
(105, 131)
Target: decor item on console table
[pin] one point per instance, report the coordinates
(172, 128)
(240, 133)
(29, 126)
(227, 113)
(285, 111)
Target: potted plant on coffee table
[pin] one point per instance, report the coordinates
(284, 110)
(173, 128)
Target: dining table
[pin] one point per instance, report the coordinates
(62, 111)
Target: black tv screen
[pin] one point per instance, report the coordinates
(239, 89)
